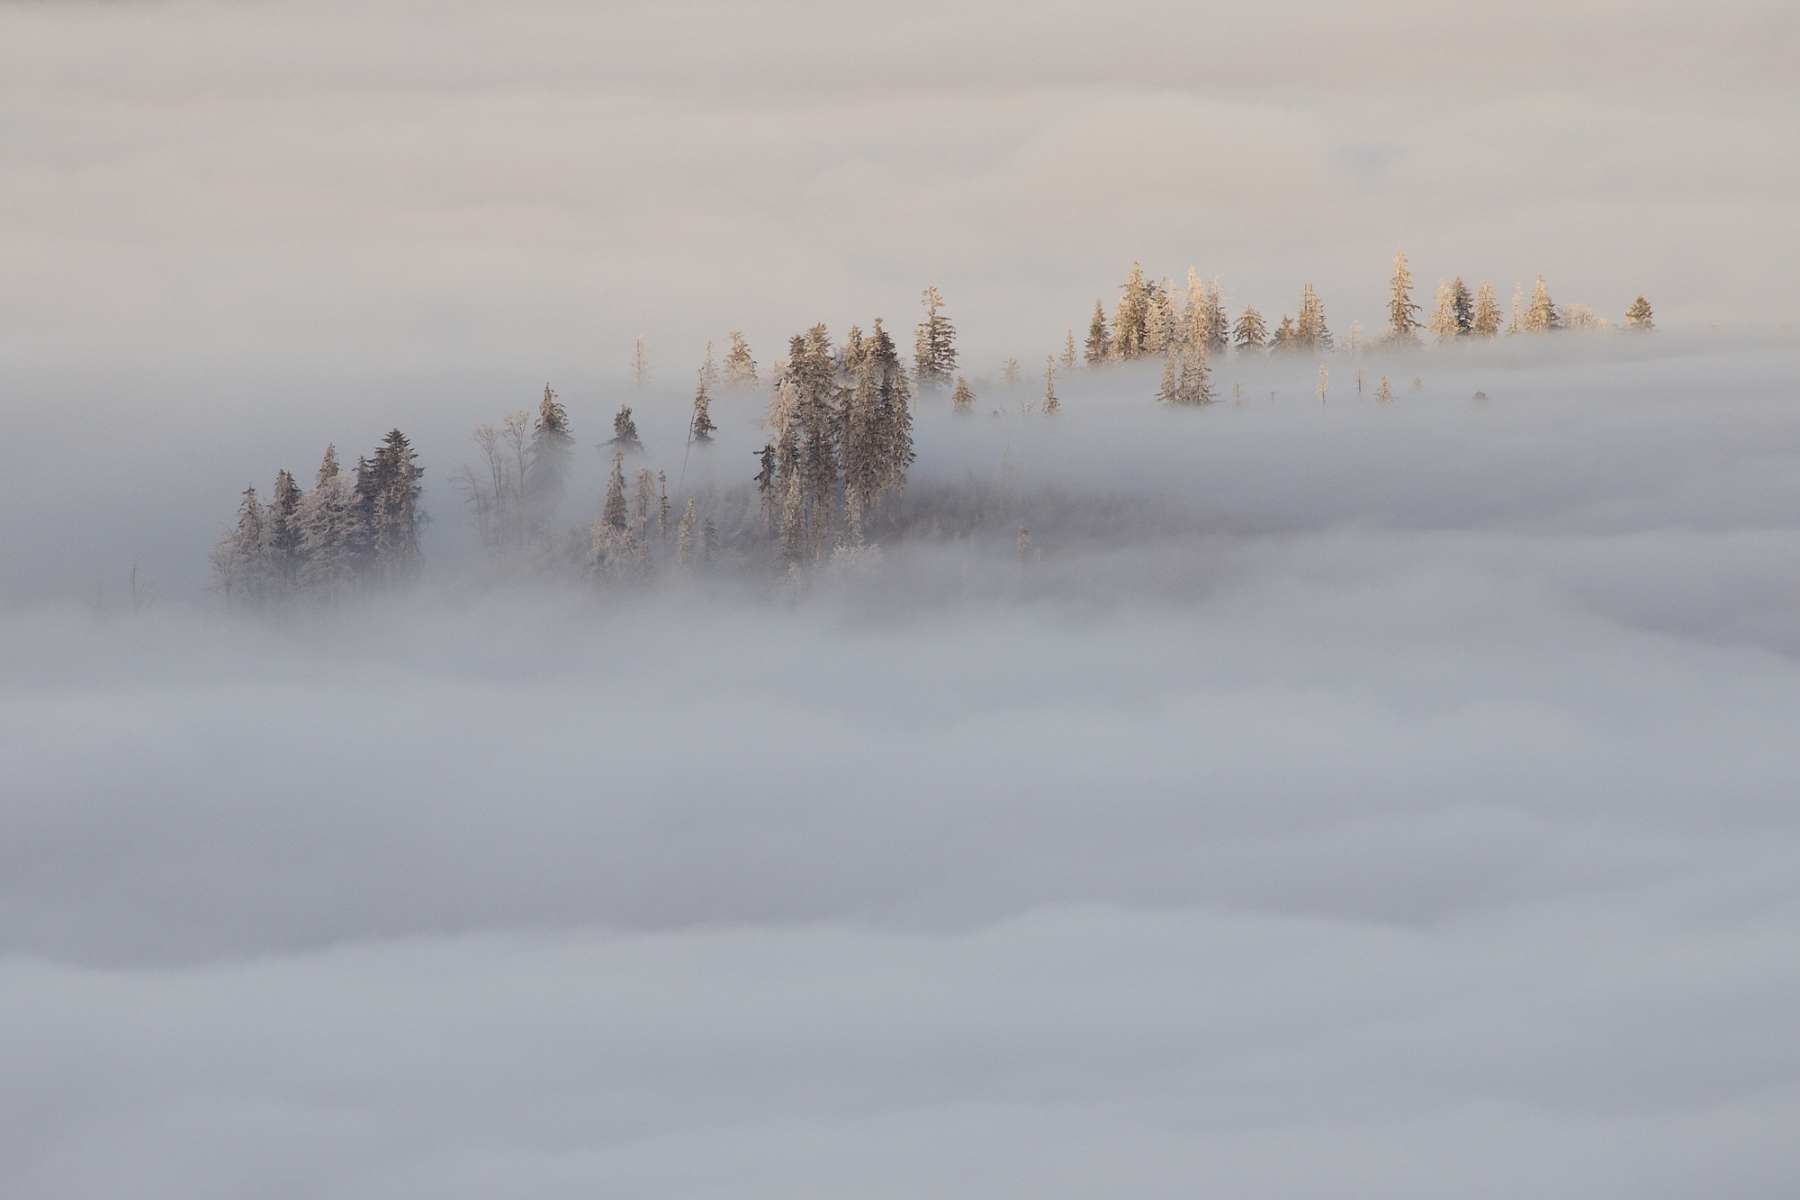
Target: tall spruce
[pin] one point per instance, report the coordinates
(1099, 338)
(1443, 324)
(240, 560)
(934, 347)
(1464, 306)
(285, 550)
(625, 438)
(547, 461)
(327, 523)
(700, 426)
(614, 513)
(1486, 322)
(1542, 316)
(962, 401)
(1403, 314)
(740, 368)
(1310, 331)
(387, 496)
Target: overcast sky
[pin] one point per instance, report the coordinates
(456, 182)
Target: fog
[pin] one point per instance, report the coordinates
(1332, 798)
(1344, 798)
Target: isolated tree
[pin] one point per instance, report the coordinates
(1251, 333)
(640, 364)
(1069, 357)
(1486, 321)
(625, 438)
(740, 368)
(934, 346)
(709, 373)
(1052, 405)
(1639, 316)
(1384, 393)
(962, 400)
(1099, 339)
(701, 426)
(614, 512)
(1324, 382)
(1403, 314)
(1542, 316)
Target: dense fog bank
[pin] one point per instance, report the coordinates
(1335, 798)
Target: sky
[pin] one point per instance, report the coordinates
(1336, 799)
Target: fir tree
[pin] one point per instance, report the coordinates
(1159, 321)
(1384, 394)
(625, 438)
(640, 364)
(765, 484)
(709, 374)
(1052, 405)
(1464, 306)
(1403, 314)
(643, 501)
(1251, 333)
(614, 513)
(240, 560)
(387, 495)
(701, 427)
(740, 368)
(327, 530)
(685, 533)
(1542, 316)
(1486, 322)
(962, 400)
(1310, 332)
(1639, 317)
(934, 347)
(1286, 338)
(546, 465)
(1099, 340)
(1324, 382)
(1069, 358)
(1009, 373)
(285, 549)
(1132, 315)
(1443, 324)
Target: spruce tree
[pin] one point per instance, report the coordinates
(1159, 321)
(625, 438)
(1486, 322)
(1251, 333)
(614, 512)
(1052, 405)
(700, 426)
(962, 401)
(240, 560)
(1310, 332)
(1099, 340)
(685, 533)
(934, 347)
(1639, 317)
(709, 374)
(643, 501)
(1132, 316)
(640, 364)
(546, 466)
(327, 520)
(387, 495)
(1542, 316)
(285, 549)
(1384, 394)
(1286, 338)
(1443, 324)
(1403, 314)
(1069, 358)
(740, 368)
(1464, 306)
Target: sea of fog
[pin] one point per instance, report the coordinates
(1336, 800)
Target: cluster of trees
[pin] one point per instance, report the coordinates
(841, 433)
(520, 481)
(338, 535)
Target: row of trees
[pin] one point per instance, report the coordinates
(337, 535)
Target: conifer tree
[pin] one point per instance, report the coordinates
(1170, 391)
(284, 534)
(326, 521)
(1384, 394)
(625, 438)
(1443, 324)
(387, 494)
(662, 505)
(1009, 372)
(1639, 317)
(1517, 322)
(643, 501)
(709, 374)
(614, 513)
(1542, 316)
(1324, 382)
(765, 484)
(1286, 337)
(1132, 316)
(1486, 322)
(1052, 405)
(240, 560)
(546, 461)
(1310, 332)
(640, 364)
(740, 368)
(1099, 339)
(700, 426)
(934, 348)
(1159, 321)
(1403, 314)
(962, 401)
(685, 533)
(1069, 358)
(1251, 333)
(1464, 306)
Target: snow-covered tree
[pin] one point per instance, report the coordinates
(1486, 322)
(1251, 332)
(962, 400)
(625, 438)
(1443, 324)
(1052, 405)
(700, 426)
(1384, 393)
(934, 346)
(1542, 316)
(546, 465)
(285, 552)
(1159, 321)
(240, 560)
(387, 495)
(1070, 359)
(740, 368)
(1403, 314)
(1639, 317)
(614, 512)
(685, 534)
(640, 364)
(709, 373)
(1464, 306)
(327, 523)
(1132, 315)
(1099, 338)
(1310, 332)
